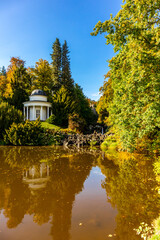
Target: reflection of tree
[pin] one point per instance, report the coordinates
(131, 188)
(27, 156)
(14, 198)
(68, 178)
(18, 202)
(46, 196)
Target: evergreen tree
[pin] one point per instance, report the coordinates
(67, 80)
(56, 65)
(3, 71)
(62, 106)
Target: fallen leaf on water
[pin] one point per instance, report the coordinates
(80, 224)
(110, 235)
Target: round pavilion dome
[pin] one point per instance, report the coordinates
(38, 92)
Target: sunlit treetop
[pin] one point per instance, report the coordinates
(136, 19)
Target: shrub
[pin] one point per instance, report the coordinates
(8, 115)
(92, 143)
(110, 143)
(27, 133)
(51, 119)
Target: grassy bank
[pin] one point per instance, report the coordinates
(47, 125)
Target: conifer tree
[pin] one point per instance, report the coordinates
(67, 80)
(3, 71)
(56, 65)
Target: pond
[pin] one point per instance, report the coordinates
(52, 193)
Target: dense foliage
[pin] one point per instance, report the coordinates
(8, 115)
(104, 102)
(135, 73)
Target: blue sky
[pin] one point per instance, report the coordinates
(29, 28)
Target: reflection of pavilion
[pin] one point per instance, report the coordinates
(45, 191)
(36, 176)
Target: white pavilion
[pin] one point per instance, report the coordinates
(37, 106)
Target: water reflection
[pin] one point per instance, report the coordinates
(43, 183)
(46, 189)
(131, 187)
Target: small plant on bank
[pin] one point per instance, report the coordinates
(51, 119)
(144, 230)
(93, 143)
(156, 235)
(110, 143)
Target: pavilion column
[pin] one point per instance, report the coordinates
(24, 113)
(33, 112)
(41, 170)
(41, 113)
(47, 112)
(27, 112)
(47, 170)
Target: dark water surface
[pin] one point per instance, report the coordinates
(51, 193)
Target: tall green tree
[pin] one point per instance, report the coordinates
(135, 70)
(20, 86)
(67, 80)
(56, 65)
(43, 76)
(63, 106)
(83, 108)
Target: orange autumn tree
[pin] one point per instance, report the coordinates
(3, 86)
(18, 83)
(15, 63)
